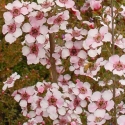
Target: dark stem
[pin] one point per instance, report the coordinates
(113, 52)
(54, 74)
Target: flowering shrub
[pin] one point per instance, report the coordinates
(81, 44)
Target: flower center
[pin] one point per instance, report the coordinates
(82, 90)
(39, 15)
(118, 66)
(16, 12)
(34, 32)
(98, 38)
(101, 104)
(98, 119)
(25, 96)
(58, 20)
(46, 4)
(12, 28)
(76, 33)
(74, 51)
(63, 1)
(76, 102)
(10, 80)
(52, 100)
(34, 49)
(62, 122)
(64, 82)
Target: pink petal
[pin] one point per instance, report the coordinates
(41, 39)
(69, 44)
(17, 4)
(103, 30)
(17, 33)
(26, 27)
(23, 103)
(107, 95)
(92, 107)
(107, 37)
(96, 96)
(114, 59)
(110, 105)
(7, 16)
(54, 28)
(109, 66)
(24, 10)
(19, 19)
(92, 32)
(65, 53)
(25, 50)
(10, 38)
(44, 30)
(29, 38)
(62, 111)
(82, 54)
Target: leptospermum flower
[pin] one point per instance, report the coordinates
(65, 3)
(34, 52)
(75, 33)
(101, 101)
(53, 102)
(36, 32)
(116, 65)
(95, 4)
(59, 21)
(82, 90)
(45, 5)
(10, 81)
(37, 18)
(12, 31)
(24, 96)
(16, 12)
(63, 80)
(95, 38)
(99, 117)
(74, 50)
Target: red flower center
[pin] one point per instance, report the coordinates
(35, 32)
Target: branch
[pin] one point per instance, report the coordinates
(54, 74)
(113, 52)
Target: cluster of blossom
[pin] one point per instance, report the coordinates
(64, 107)
(65, 101)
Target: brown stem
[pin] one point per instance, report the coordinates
(54, 74)
(113, 52)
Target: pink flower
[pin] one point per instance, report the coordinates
(16, 12)
(59, 21)
(34, 52)
(82, 90)
(116, 64)
(101, 101)
(12, 31)
(99, 117)
(65, 3)
(95, 38)
(10, 81)
(74, 50)
(24, 96)
(45, 5)
(63, 80)
(74, 33)
(37, 18)
(35, 31)
(95, 4)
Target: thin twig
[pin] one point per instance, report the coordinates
(113, 52)
(54, 74)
